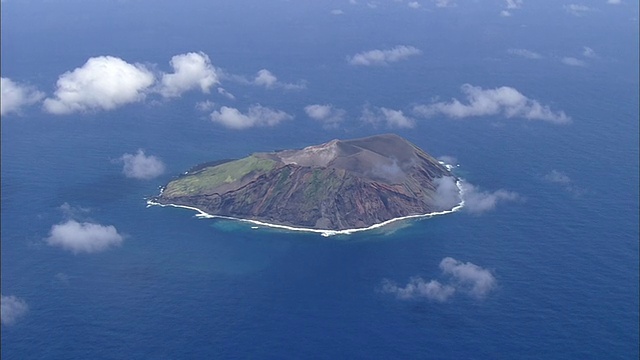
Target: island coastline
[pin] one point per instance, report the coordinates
(323, 232)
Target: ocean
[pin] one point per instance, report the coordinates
(562, 254)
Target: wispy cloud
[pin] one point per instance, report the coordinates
(102, 83)
(83, 237)
(329, 115)
(142, 167)
(267, 79)
(447, 194)
(418, 288)
(414, 5)
(478, 202)
(14, 96)
(614, 2)
(589, 52)
(257, 115)
(577, 9)
(477, 281)
(466, 278)
(527, 54)
(383, 57)
(387, 117)
(513, 4)
(11, 309)
(444, 3)
(190, 71)
(558, 177)
(571, 61)
(337, 12)
(505, 101)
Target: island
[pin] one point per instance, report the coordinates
(338, 186)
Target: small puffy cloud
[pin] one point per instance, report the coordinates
(11, 309)
(505, 101)
(577, 9)
(257, 115)
(83, 237)
(468, 276)
(330, 116)
(102, 83)
(337, 12)
(414, 5)
(190, 71)
(226, 94)
(141, 166)
(589, 52)
(505, 13)
(267, 79)
(418, 288)
(477, 202)
(558, 177)
(383, 57)
(571, 61)
(527, 54)
(447, 193)
(14, 96)
(388, 117)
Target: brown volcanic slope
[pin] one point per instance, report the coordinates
(342, 184)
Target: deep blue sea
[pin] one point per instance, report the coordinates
(564, 255)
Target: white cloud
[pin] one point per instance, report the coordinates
(226, 94)
(576, 9)
(414, 5)
(589, 52)
(556, 176)
(14, 96)
(477, 202)
(614, 2)
(383, 57)
(571, 61)
(505, 101)
(388, 117)
(514, 4)
(337, 12)
(505, 13)
(267, 79)
(419, 288)
(11, 309)
(527, 54)
(444, 3)
(102, 83)
(83, 237)
(190, 71)
(466, 278)
(447, 194)
(140, 166)
(206, 105)
(257, 115)
(330, 116)
(470, 277)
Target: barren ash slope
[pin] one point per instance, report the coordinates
(339, 185)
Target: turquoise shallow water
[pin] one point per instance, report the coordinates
(564, 256)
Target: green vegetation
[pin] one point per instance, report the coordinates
(212, 177)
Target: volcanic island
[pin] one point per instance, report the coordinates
(337, 187)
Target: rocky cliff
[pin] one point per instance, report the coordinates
(342, 184)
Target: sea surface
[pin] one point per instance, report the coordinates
(564, 255)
